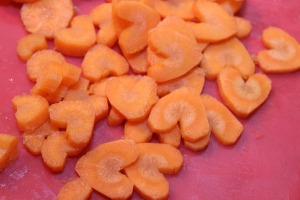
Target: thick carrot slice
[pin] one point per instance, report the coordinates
(139, 132)
(40, 60)
(101, 61)
(31, 111)
(172, 137)
(81, 84)
(185, 106)
(197, 146)
(75, 189)
(216, 24)
(243, 27)
(181, 8)
(115, 118)
(30, 44)
(8, 149)
(243, 98)
(147, 172)
(77, 117)
(70, 74)
(58, 95)
(99, 88)
(224, 125)
(194, 79)
(142, 19)
(45, 17)
(283, 55)
(230, 53)
(76, 40)
(132, 96)
(101, 167)
(231, 6)
(138, 61)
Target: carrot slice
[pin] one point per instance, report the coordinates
(115, 118)
(138, 61)
(58, 95)
(75, 189)
(244, 27)
(181, 8)
(231, 6)
(185, 106)
(101, 61)
(76, 40)
(139, 132)
(230, 53)
(283, 55)
(197, 146)
(99, 88)
(101, 167)
(40, 60)
(243, 98)
(30, 44)
(172, 137)
(31, 111)
(81, 84)
(45, 17)
(147, 172)
(8, 149)
(70, 74)
(77, 117)
(132, 96)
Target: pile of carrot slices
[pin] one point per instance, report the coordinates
(153, 85)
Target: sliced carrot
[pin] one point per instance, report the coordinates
(138, 61)
(231, 6)
(99, 88)
(75, 189)
(45, 17)
(77, 117)
(147, 172)
(172, 137)
(38, 62)
(283, 55)
(115, 118)
(153, 58)
(185, 106)
(181, 8)
(31, 111)
(30, 44)
(101, 61)
(132, 96)
(230, 53)
(58, 95)
(70, 74)
(243, 98)
(139, 132)
(8, 149)
(244, 27)
(78, 39)
(81, 84)
(101, 167)
(197, 146)
(224, 125)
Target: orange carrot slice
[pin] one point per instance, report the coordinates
(101, 61)
(31, 111)
(75, 189)
(115, 118)
(172, 137)
(101, 167)
(147, 172)
(231, 6)
(138, 61)
(244, 27)
(181, 8)
(139, 132)
(45, 17)
(99, 88)
(58, 95)
(243, 98)
(199, 145)
(81, 84)
(8, 149)
(70, 74)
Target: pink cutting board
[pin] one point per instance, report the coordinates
(263, 165)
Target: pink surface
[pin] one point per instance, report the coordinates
(263, 165)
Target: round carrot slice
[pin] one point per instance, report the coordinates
(181, 8)
(8, 149)
(75, 189)
(243, 27)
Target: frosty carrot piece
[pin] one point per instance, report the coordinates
(76, 40)
(77, 117)
(101, 61)
(30, 44)
(115, 118)
(224, 125)
(138, 61)
(283, 55)
(147, 172)
(101, 167)
(231, 6)
(59, 14)
(172, 137)
(216, 24)
(243, 27)
(70, 74)
(99, 88)
(31, 111)
(8, 149)
(38, 62)
(181, 8)
(139, 132)
(243, 97)
(185, 106)
(81, 84)
(197, 146)
(75, 189)
(194, 79)
(228, 53)
(132, 96)
(58, 95)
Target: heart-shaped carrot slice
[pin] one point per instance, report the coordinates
(243, 97)
(8, 149)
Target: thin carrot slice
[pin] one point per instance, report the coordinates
(283, 55)
(75, 189)
(230, 53)
(132, 96)
(70, 74)
(81, 84)
(181, 8)
(101, 167)
(99, 88)
(185, 106)
(31, 111)
(172, 137)
(139, 132)
(30, 44)
(115, 118)
(138, 61)
(45, 17)
(243, 98)
(38, 62)
(78, 39)
(224, 125)
(147, 172)
(216, 24)
(77, 117)
(8, 149)
(231, 6)
(197, 146)
(244, 27)
(101, 61)
(58, 95)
